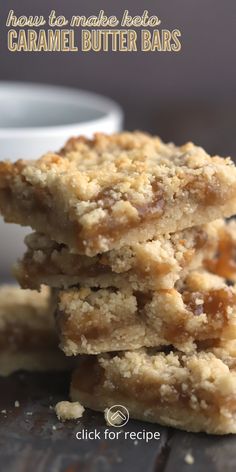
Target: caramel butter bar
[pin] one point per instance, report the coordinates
(28, 339)
(152, 265)
(195, 392)
(113, 191)
(202, 308)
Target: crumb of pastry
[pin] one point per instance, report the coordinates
(189, 459)
(69, 410)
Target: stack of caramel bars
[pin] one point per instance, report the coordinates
(131, 237)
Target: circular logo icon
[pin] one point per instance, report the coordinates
(117, 416)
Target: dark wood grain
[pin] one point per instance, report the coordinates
(30, 443)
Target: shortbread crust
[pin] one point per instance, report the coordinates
(152, 265)
(28, 338)
(111, 191)
(203, 308)
(191, 392)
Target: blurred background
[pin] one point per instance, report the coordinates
(190, 95)
(181, 96)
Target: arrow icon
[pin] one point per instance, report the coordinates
(117, 416)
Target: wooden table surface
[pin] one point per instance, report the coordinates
(33, 440)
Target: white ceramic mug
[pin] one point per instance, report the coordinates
(36, 119)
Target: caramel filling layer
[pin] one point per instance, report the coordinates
(111, 229)
(224, 263)
(214, 304)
